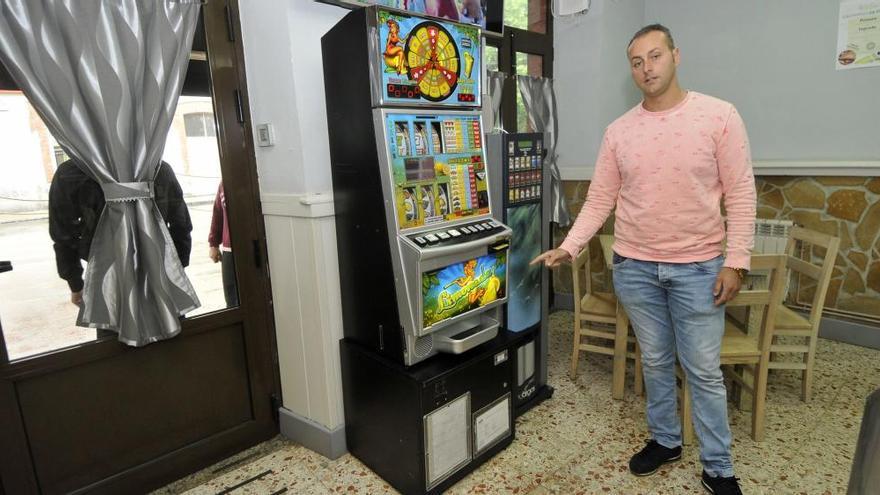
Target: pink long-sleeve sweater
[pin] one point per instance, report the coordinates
(667, 172)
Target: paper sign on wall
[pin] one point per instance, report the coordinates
(858, 35)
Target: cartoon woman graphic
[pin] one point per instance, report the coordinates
(470, 269)
(394, 58)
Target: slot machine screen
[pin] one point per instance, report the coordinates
(462, 287)
(437, 168)
(419, 168)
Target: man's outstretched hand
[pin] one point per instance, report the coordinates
(552, 258)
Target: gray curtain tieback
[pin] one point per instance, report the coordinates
(115, 192)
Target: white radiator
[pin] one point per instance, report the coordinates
(771, 236)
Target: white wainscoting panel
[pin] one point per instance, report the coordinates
(301, 238)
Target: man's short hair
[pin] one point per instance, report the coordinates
(651, 28)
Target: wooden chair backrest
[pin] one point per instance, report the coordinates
(581, 264)
(821, 274)
(766, 299)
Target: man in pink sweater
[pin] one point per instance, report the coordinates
(667, 164)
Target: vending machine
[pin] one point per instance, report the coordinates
(423, 262)
(518, 160)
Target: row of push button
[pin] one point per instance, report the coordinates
(466, 230)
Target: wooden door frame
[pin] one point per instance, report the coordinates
(238, 165)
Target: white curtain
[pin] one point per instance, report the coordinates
(105, 76)
(540, 102)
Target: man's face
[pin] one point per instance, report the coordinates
(652, 63)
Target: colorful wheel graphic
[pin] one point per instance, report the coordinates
(432, 58)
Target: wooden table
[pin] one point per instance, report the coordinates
(618, 374)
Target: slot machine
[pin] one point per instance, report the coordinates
(518, 160)
(423, 262)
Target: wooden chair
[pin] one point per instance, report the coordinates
(592, 309)
(747, 350)
(790, 323)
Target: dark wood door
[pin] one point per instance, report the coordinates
(102, 417)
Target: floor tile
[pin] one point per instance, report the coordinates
(580, 440)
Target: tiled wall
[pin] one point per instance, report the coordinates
(847, 207)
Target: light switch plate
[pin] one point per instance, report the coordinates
(265, 135)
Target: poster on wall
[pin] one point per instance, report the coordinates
(858, 35)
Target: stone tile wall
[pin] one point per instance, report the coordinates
(847, 207)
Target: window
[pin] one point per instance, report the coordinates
(60, 155)
(490, 58)
(528, 15)
(199, 124)
(526, 48)
(35, 303)
(527, 64)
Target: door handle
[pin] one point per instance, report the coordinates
(5, 266)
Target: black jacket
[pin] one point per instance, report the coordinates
(76, 203)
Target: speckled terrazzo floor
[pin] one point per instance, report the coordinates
(579, 441)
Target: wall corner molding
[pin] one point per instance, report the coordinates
(302, 205)
(815, 168)
(798, 168)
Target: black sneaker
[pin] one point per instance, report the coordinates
(650, 458)
(721, 486)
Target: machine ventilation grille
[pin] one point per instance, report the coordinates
(424, 346)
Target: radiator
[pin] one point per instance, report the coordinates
(771, 236)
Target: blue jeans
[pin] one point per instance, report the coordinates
(672, 309)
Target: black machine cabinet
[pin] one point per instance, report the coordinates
(423, 428)
(518, 159)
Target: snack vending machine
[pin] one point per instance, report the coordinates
(518, 160)
(423, 263)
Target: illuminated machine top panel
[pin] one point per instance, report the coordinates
(437, 168)
(427, 61)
